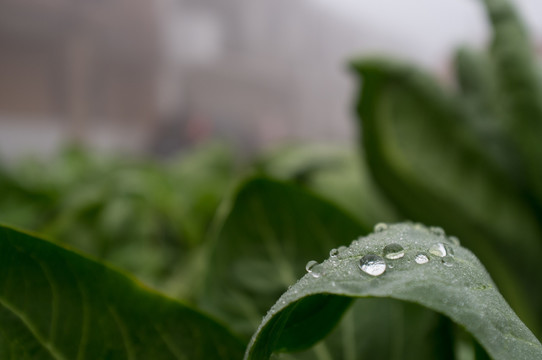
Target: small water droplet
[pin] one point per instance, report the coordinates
(372, 264)
(333, 253)
(437, 230)
(380, 227)
(393, 251)
(441, 250)
(421, 258)
(342, 249)
(454, 240)
(390, 265)
(312, 268)
(448, 261)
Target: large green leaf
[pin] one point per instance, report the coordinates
(456, 285)
(272, 230)
(56, 304)
(435, 171)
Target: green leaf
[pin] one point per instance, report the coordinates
(435, 171)
(56, 304)
(271, 231)
(456, 285)
(479, 94)
(516, 65)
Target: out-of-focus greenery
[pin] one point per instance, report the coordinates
(152, 217)
(142, 215)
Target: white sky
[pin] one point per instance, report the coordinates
(428, 28)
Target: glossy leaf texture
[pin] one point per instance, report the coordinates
(57, 304)
(271, 231)
(452, 281)
(435, 171)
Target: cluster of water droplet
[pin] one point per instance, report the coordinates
(376, 264)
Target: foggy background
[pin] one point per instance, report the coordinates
(159, 76)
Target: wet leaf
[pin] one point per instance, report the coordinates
(456, 285)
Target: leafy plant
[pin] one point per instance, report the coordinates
(464, 158)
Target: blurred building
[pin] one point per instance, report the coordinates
(260, 71)
(76, 70)
(161, 75)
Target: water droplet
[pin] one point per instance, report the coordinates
(437, 230)
(448, 261)
(333, 253)
(342, 249)
(390, 265)
(313, 268)
(441, 250)
(372, 264)
(421, 258)
(380, 227)
(454, 240)
(393, 251)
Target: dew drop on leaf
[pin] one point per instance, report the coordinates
(437, 230)
(333, 253)
(454, 240)
(372, 264)
(421, 258)
(380, 227)
(312, 268)
(448, 261)
(441, 250)
(393, 251)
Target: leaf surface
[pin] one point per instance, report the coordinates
(57, 304)
(271, 231)
(456, 285)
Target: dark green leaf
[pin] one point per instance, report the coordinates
(456, 285)
(56, 304)
(480, 96)
(516, 65)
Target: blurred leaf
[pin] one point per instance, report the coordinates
(337, 173)
(56, 304)
(424, 159)
(516, 70)
(479, 94)
(456, 285)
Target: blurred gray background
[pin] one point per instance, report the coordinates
(158, 76)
